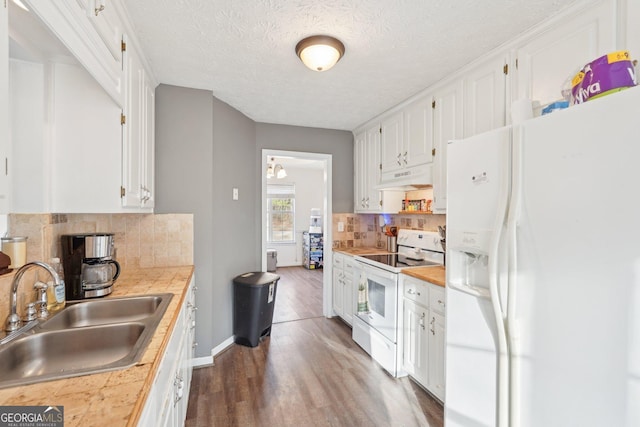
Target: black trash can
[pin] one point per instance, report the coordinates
(254, 297)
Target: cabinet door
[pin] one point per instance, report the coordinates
(447, 125)
(148, 151)
(418, 133)
(415, 341)
(545, 63)
(485, 97)
(347, 299)
(4, 109)
(391, 142)
(338, 287)
(104, 18)
(373, 196)
(367, 163)
(361, 169)
(133, 130)
(436, 355)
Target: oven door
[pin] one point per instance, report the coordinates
(382, 287)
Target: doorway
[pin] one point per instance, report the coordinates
(322, 162)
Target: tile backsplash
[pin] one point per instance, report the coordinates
(364, 230)
(140, 240)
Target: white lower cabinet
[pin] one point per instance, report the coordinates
(169, 395)
(423, 318)
(345, 282)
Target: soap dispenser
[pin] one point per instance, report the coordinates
(56, 293)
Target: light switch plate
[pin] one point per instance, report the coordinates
(340, 227)
(235, 194)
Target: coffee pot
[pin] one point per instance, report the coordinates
(89, 269)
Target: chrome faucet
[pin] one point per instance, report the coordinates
(14, 322)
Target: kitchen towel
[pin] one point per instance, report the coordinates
(363, 294)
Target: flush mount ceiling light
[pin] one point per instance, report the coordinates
(320, 53)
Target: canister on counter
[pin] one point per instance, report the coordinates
(16, 249)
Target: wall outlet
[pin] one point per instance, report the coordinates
(341, 227)
(235, 194)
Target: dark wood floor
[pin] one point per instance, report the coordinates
(299, 294)
(309, 372)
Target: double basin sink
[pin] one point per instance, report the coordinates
(89, 336)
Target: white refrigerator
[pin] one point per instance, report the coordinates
(543, 270)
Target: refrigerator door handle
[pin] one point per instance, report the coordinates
(515, 203)
(502, 416)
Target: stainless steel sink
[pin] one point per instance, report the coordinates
(109, 310)
(86, 337)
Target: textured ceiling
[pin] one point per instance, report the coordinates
(243, 50)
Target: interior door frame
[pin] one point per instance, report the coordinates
(327, 274)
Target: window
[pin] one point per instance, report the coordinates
(281, 213)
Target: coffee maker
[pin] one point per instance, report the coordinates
(89, 270)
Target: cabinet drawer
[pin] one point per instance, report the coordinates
(338, 260)
(437, 298)
(416, 290)
(349, 265)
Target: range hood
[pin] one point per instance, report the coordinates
(407, 179)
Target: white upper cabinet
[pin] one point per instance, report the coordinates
(137, 133)
(74, 23)
(447, 125)
(554, 56)
(79, 143)
(407, 145)
(391, 143)
(104, 18)
(5, 146)
(368, 197)
(361, 169)
(485, 96)
(418, 132)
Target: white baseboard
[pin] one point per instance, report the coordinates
(200, 362)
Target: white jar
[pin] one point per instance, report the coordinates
(16, 249)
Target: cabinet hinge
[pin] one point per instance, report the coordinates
(380, 129)
(5, 4)
(380, 165)
(122, 192)
(123, 46)
(433, 151)
(505, 69)
(123, 119)
(516, 63)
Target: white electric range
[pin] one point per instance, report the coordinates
(375, 326)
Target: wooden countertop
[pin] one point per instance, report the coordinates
(362, 251)
(435, 275)
(113, 398)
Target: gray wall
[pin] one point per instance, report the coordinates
(236, 234)
(184, 183)
(338, 143)
(204, 149)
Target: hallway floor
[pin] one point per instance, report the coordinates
(309, 372)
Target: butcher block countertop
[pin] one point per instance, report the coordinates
(113, 398)
(362, 251)
(435, 275)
